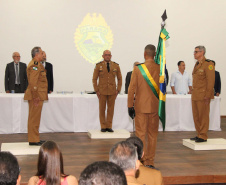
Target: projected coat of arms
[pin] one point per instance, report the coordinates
(92, 37)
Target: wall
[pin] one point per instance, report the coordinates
(52, 24)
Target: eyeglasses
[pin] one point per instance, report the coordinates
(196, 51)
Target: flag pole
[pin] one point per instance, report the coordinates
(161, 60)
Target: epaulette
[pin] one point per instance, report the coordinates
(98, 63)
(208, 60)
(35, 63)
(115, 63)
(139, 64)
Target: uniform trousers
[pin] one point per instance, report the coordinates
(110, 100)
(147, 125)
(34, 121)
(201, 118)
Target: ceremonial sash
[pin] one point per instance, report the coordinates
(148, 78)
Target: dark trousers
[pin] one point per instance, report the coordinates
(18, 89)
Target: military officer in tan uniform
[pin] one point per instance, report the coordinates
(202, 92)
(106, 88)
(36, 93)
(145, 105)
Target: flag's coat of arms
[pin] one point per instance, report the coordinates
(92, 37)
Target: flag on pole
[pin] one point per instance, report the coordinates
(161, 60)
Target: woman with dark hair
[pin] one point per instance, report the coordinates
(50, 167)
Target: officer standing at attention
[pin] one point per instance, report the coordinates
(145, 106)
(202, 92)
(106, 89)
(36, 93)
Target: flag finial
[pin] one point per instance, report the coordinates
(164, 17)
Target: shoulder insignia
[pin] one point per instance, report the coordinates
(98, 63)
(115, 63)
(35, 63)
(210, 67)
(208, 60)
(35, 68)
(139, 64)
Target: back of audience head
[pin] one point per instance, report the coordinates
(136, 141)
(50, 163)
(102, 173)
(124, 154)
(9, 169)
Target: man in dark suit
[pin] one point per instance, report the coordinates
(166, 77)
(49, 73)
(128, 77)
(16, 75)
(217, 85)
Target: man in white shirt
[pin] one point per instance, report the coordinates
(181, 82)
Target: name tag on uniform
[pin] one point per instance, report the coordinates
(201, 70)
(35, 68)
(114, 70)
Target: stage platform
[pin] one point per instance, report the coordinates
(178, 164)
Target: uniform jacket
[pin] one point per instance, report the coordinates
(203, 80)
(10, 76)
(37, 82)
(149, 176)
(128, 78)
(217, 85)
(145, 100)
(107, 84)
(49, 75)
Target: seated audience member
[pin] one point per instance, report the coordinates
(180, 80)
(102, 173)
(125, 155)
(9, 169)
(50, 167)
(128, 77)
(144, 174)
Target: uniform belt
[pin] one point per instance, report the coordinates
(17, 84)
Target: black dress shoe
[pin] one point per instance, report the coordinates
(42, 141)
(109, 130)
(200, 140)
(103, 130)
(35, 143)
(194, 138)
